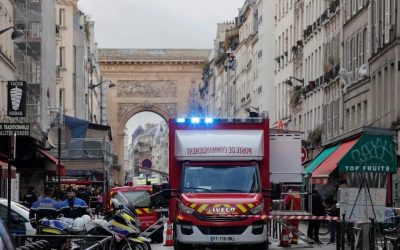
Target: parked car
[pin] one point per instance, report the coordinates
(20, 218)
(5, 240)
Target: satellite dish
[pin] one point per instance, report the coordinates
(52, 136)
(363, 71)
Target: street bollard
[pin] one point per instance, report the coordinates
(343, 230)
(338, 234)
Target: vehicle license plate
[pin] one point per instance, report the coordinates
(222, 239)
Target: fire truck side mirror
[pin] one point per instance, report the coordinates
(161, 195)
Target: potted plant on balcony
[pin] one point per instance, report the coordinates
(295, 98)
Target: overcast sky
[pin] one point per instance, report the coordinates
(158, 23)
(141, 119)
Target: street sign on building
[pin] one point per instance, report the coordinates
(146, 163)
(19, 129)
(16, 98)
(303, 154)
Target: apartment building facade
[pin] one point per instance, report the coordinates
(234, 84)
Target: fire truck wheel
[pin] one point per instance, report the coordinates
(180, 246)
(261, 246)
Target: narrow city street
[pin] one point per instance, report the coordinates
(227, 124)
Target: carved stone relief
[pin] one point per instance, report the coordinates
(146, 89)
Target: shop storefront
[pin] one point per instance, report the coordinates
(367, 156)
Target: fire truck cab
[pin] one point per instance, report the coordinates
(140, 196)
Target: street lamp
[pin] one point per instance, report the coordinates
(15, 34)
(290, 83)
(252, 113)
(92, 87)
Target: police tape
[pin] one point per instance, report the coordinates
(301, 217)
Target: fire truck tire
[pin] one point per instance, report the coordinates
(158, 236)
(181, 246)
(261, 246)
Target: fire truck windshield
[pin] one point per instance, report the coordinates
(221, 179)
(138, 198)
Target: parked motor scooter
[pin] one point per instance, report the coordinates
(123, 224)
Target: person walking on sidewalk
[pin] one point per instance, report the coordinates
(318, 209)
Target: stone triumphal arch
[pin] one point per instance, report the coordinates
(153, 80)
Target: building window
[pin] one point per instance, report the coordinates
(62, 57)
(61, 17)
(365, 109)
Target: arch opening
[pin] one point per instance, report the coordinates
(145, 146)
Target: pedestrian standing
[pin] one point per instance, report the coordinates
(318, 209)
(331, 203)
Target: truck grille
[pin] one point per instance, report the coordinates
(222, 230)
(219, 218)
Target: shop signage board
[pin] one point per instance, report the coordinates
(16, 98)
(371, 153)
(18, 129)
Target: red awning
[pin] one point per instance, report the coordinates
(4, 170)
(53, 159)
(329, 165)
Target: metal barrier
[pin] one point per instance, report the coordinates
(395, 241)
(84, 242)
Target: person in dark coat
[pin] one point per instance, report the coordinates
(331, 203)
(318, 209)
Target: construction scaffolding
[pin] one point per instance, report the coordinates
(35, 57)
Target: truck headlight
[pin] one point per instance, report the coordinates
(185, 209)
(259, 209)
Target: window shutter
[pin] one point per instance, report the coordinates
(387, 21)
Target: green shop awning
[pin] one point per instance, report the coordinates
(319, 159)
(371, 153)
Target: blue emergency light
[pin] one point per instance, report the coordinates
(180, 120)
(209, 120)
(195, 120)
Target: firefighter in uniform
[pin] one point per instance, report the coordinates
(293, 203)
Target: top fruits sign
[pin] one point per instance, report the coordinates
(16, 99)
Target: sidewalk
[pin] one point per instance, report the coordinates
(301, 244)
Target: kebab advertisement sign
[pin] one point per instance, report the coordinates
(16, 92)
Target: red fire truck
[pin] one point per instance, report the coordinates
(219, 180)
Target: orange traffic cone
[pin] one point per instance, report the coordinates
(284, 237)
(169, 240)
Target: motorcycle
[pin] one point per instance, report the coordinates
(123, 224)
(57, 226)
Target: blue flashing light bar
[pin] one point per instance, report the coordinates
(209, 120)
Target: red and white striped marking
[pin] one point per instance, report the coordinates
(301, 217)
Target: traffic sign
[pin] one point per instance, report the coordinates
(146, 163)
(303, 154)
